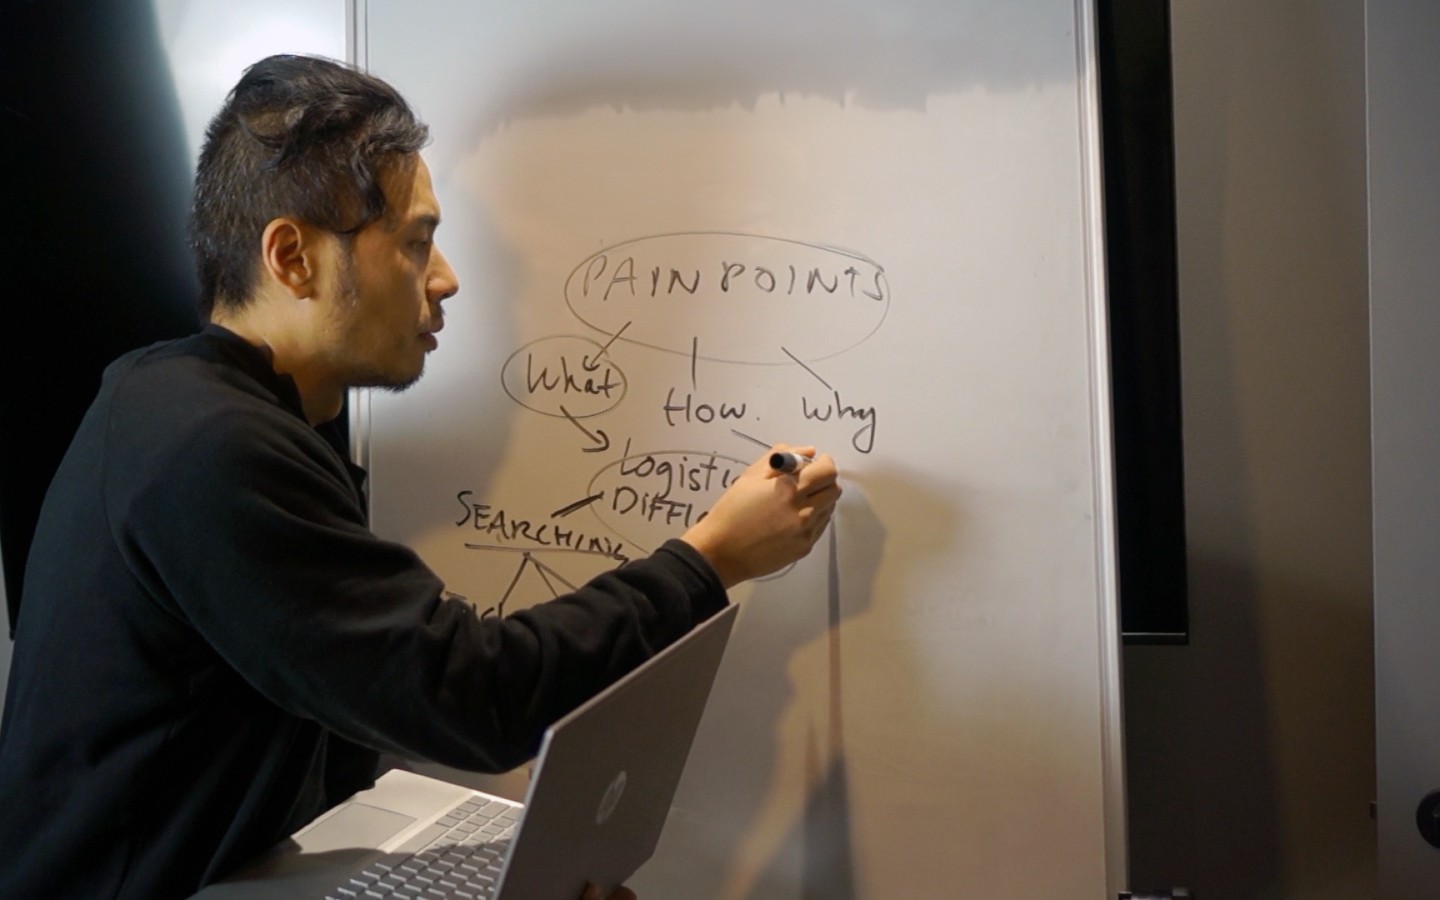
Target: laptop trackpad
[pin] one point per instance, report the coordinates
(353, 825)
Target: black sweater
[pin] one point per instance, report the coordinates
(212, 645)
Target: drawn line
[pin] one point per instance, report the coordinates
(753, 440)
(576, 506)
(527, 550)
(694, 356)
(500, 607)
(832, 590)
(546, 578)
(614, 338)
(806, 368)
(544, 570)
(576, 422)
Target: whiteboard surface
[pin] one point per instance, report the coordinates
(680, 228)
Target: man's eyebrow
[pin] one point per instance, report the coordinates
(396, 222)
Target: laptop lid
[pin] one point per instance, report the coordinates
(599, 793)
(607, 773)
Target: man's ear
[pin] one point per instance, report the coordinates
(289, 255)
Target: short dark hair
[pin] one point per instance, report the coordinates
(299, 136)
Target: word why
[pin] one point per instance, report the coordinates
(825, 410)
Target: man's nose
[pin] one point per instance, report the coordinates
(442, 283)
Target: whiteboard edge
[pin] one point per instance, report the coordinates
(1111, 696)
(357, 53)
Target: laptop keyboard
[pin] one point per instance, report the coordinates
(460, 856)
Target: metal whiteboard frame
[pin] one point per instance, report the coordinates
(357, 53)
(1112, 725)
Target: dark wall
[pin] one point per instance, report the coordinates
(94, 261)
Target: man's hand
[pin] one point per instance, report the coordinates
(620, 893)
(767, 520)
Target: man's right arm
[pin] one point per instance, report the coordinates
(278, 572)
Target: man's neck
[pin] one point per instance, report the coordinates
(320, 399)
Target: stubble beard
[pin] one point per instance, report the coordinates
(365, 373)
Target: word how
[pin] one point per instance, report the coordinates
(690, 411)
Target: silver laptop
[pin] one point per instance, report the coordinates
(598, 797)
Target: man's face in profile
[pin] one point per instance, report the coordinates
(392, 279)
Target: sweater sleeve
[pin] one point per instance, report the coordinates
(256, 539)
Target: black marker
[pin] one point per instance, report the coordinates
(787, 462)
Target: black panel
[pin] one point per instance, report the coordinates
(94, 259)
(1138, 136)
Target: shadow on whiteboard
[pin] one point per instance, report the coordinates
(774, 743)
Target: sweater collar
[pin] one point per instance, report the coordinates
(257, 362)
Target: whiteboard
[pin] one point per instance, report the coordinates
(683, 228)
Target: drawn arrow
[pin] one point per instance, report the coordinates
(585, 361)
(598, 436)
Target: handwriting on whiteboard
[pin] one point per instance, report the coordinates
(722, 298)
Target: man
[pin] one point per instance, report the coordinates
(212, 647)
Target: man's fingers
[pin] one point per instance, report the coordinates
(819, 472)
(833, 489)
(818, 483)
(763, 465)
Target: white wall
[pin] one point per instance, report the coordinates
(210, 43)
(1251, 751)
